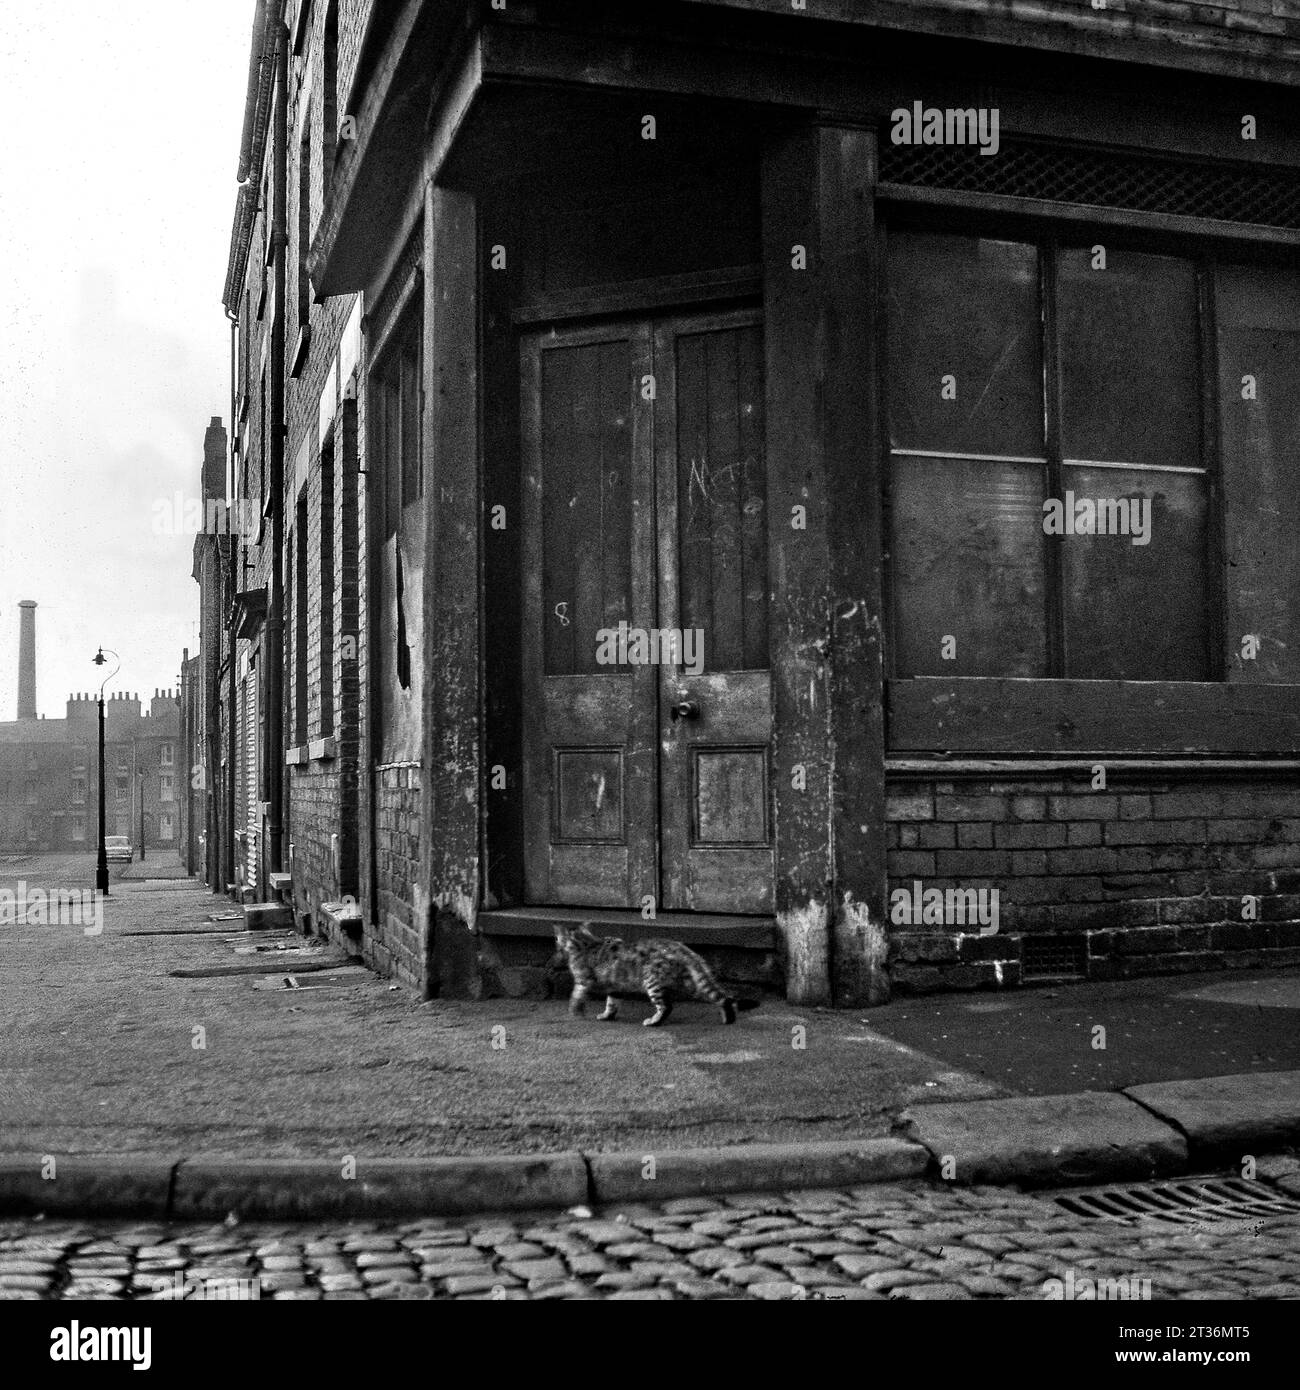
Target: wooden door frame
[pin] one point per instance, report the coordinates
(733, 310)
(667, 330)
(642, 841)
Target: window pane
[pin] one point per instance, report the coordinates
(968, 549)
(1258, 316)
(1135, 609)
(965, 308)
(1129, 369)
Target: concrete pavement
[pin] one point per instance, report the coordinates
(181, 1043)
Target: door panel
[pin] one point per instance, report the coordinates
(715, 793)
(647, 508)
(589, 730)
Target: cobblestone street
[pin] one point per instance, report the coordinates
(903, 1240)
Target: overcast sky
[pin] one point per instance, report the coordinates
(121, 123)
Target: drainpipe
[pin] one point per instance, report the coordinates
(274, 646)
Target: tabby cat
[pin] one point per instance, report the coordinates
(657, 968)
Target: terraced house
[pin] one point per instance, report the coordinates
(928, 370)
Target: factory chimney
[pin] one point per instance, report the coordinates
(27, 659)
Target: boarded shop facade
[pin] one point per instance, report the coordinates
(816, 480)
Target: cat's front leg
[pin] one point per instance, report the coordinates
(611, 1011)
(578, 999)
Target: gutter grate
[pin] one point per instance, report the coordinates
(1186, 1202)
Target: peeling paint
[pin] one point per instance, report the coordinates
(806, 931)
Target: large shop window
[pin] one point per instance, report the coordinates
(1093, 466)
(1057, 485)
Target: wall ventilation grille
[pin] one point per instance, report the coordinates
(1052, 957)
(1136, 182)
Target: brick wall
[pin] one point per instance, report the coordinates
(396, 946)
(1143, 877)
(324, 810)
(353, 17)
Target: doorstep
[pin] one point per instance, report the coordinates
(692, 928)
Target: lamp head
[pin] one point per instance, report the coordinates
(99, 658)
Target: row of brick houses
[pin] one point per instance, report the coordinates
(935, 363)
(49, 768)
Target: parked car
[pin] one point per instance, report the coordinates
(118, 847)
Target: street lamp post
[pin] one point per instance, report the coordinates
(101, 867)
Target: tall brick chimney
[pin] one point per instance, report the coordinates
(27, 659)
(214, 461)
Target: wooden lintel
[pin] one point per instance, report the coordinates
(990, 716)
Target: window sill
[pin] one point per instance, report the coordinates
(990, 716)
(318, 750)
(300, 352)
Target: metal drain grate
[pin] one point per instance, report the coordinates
(1186, 1202)
(1114, 179)
(1047, 956)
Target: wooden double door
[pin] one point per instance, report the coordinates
(647, 693)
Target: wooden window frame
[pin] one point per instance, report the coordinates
(1056, 716)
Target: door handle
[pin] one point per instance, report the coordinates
(684, 709)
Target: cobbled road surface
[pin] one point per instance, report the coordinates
(901, 1240)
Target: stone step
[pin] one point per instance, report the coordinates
(692, 928)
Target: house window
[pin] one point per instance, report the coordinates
(166, 827)
(33, 760)
(78, 827)
(31, 793)
(123, 790)
(330, 95)
(167, 787)
(396, 398)
(304, 220)
(167, 755)
(1054, 476)
(78, 789)
(300, 551)
(325, 668)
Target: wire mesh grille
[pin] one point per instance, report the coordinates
(1191, 1202)
(1136, 182)
(1051, 957)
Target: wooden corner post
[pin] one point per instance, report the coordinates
(826, 529)
(451, 781)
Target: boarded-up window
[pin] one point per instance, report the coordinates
(1050, 479)
(968, 456)
(1258, 317)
